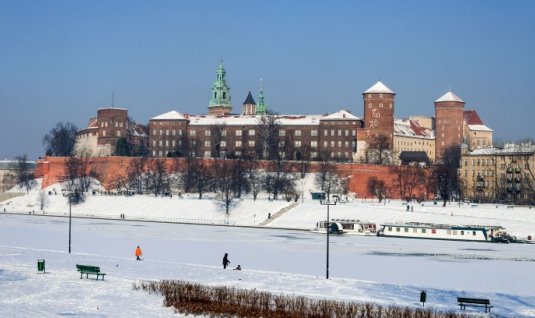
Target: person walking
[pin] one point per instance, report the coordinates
(225, 261)
(138, 253)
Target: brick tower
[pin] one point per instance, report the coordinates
(449, 115)
(379, 111)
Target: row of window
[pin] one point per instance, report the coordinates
(251, 143)
(252, 132)
(433, 231)
(105, 124)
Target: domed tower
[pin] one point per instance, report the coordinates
(449, 115)
(379, 111)
(220, 102)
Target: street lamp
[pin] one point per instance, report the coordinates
(70, 196)
(328, 228)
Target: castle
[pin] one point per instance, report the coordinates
(340, 135)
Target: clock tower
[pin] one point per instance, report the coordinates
(449, 116)
(379, 111)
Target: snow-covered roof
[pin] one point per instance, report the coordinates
(506, 150)
(379, 87)
(251, 120)
(479, 128)
(449, 97)
(340, 115)
(411, 128)
(172, 115)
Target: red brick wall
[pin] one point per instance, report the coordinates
(110, 169)
(379, 114)
(449, 118)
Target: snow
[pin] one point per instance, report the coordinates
(449, 97)
(379, 87)
(291, 261)
(479, 128)
(172, 115)
(340, 115)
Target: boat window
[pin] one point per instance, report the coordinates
(454, 232)
(424, 231)
(433, 231)
(397, 229)
(406, 229)
(414, 230)
(449, 232)
(390, 228)
(462, 232)
(474, 233)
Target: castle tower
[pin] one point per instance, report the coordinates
(261, 109)
(220, 102)
(379, 111)
(249, 105)
(449, 115)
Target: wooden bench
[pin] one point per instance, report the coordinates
(475, 302)
(89, 269)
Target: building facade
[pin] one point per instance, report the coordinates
(499, 174)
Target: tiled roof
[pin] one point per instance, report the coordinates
(472, 118)
(411, 128)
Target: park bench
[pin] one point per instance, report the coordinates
(476, 302)
(88, 269)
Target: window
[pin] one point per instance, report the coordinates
(313, 133)
(238, 132)
(160, 143)
(424, 231)
(193, 132)
(298, 143)
(346, 143)
(167, 132)
(104, 133)
(339, 143)
(154, 143)
(406, 229)
(281, 143)
(339, 132)
(207, 143)
(313, 154)
(414, 230)
(325, 133)
(251, 143)
(251, 132)
(332, 132)
(325, 144)
(173, 132)
(433, 231)
(173, 143)
(238, 143)
(282, 132)
(207, 153)
(223, 143)
(332, 144)
(298, 133)
(167, 143)
(313, 144)
(347, 132)
(118, 133)
(154, 132)
(207, 132)
(180, 132)
(390, 229)
(154, 153)
(224, 133)
(398, 229)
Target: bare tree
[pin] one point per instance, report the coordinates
(304, 158)
(407, 178)
(60, 140)
(326, 178)
(42, 199)
(279, 178)
(448, 182)
(256, 178)
(135, 174)
(23, 173)
(378, 150)
(225, 183)
(216, 136)
(268, 137)
(377, 187)
(198, 177)
(157, 178)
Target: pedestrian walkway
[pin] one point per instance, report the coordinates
(281, 212)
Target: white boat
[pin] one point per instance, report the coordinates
(478, 233)
(347, 227)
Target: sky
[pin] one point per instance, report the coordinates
(62, 60)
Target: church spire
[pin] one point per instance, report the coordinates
(220, 101)
(261, 107)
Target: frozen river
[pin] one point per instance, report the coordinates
(463, 266)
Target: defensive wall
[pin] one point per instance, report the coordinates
(112, 169)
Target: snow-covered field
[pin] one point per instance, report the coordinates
(382, 270)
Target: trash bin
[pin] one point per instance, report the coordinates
(41, 265)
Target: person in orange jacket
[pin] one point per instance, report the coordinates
(138, 253)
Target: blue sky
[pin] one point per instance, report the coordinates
(61, 60)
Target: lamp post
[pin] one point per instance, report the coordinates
(328, 228)
(70, 203)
